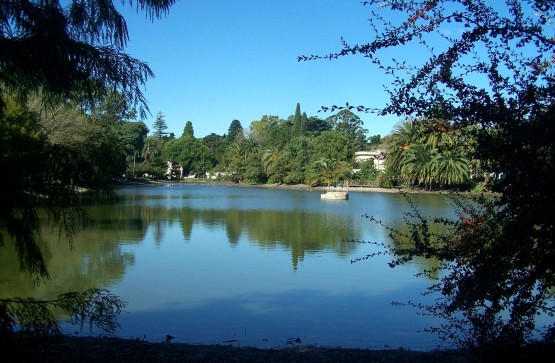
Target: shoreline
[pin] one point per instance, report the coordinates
(146, 182)
(109, 349)
(65, 348)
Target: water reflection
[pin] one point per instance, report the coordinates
(297, 230)
(97, 259)
(176, 254)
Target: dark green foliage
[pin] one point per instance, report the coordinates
(188, 130)
(22, 143)
(299, 152)
(299, 122)
(494, 320)
(132, 137)
(315, 126)
(69, 57)
(328, 171)
(283, 150)
(153, 163)
(45, 167)
(216, 144)
(71, 49)
(190, 153)
(350, 125)
(297, 117)
(332, 145)
(374, 141)
(368, 172)
(97, 307)
(279, 134)
(235, 128)
(244, 161)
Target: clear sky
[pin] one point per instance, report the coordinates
(220, 60)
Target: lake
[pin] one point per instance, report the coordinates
(214, 264)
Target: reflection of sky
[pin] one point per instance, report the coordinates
(204, 290)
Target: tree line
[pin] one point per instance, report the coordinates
(105, 143)
(421, 153)
(270, 150)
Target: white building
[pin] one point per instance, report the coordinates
(377, 155)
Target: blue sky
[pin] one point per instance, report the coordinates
(220, 60)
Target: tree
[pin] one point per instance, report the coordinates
(426, 152)
(188, 130)
(315, 126)
(279, 132)
(217, 145)
(132, 137)
(452, 168)
(111, 109)
(160, 126)
(418, 165)
(193, 156)
(328, 170)
(349, 124)
(275, 165)
(404, 135)
(299, 121)
(368, 171)
(489, 67)
(68, 53)
(74, 50)
(299, 152)
(297, 117)
(153, 162)
(374, 141)
(332, 145)
(234, 129)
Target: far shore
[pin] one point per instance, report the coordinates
(307, 187)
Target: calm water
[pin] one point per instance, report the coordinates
(213, 264)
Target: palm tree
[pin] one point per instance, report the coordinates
(274, 163)
(436, 133)
(419, 165)
(387, 178)
(452, 168)
(268, 158)
(329, 170)
(242, 149)
(404, 136)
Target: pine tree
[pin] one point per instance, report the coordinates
(188, 130)
(298, 114)
(160, 126)
(297, 121)
(234, 129)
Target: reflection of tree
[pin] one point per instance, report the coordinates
(186, 218)
(96, 259)
(298, 231)
(234, 223)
